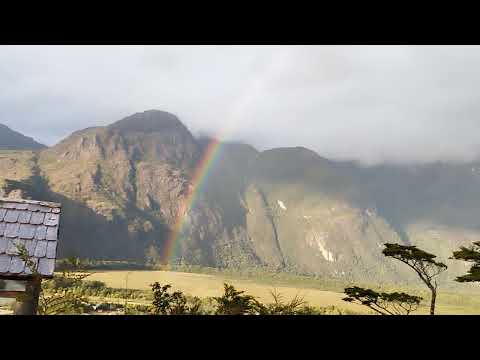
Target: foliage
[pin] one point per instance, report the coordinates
(66, 301)
(22, 253)
(96, 264)
(395, 303)
(139, 310)
(175, 303)
(421, 262)
(91, 288)
(415, 258)
(471, 254)
(233, 302)
(297, 306)
(328, 310)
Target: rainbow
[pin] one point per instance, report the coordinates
(199, 176)
(255, 89)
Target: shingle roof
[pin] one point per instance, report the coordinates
(33, 224)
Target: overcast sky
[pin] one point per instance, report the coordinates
(367, 103)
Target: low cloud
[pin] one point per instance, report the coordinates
(367, 103)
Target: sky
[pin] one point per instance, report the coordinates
(373, 104)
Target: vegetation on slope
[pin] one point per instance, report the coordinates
(280, 210)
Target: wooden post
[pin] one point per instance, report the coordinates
(27, 303)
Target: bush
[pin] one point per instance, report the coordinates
(296, 306)
(233, 302)
(176, 303)
(93, 285)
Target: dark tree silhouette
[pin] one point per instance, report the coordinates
(296, 306)
(234, 303)
(422, 262)
(176, 303)
(471, 254)
(396, 303)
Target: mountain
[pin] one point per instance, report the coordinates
(12, 140)
(124, 187)
(126, 181)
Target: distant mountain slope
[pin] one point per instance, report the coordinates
(130, 177)
(123, 188)
(13, 140)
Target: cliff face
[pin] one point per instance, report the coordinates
(122, 188)
(132, 176)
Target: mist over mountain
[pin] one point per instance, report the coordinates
(285, 209)
(399, 104)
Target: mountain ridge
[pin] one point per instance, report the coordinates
(13, 140)
(288, 209)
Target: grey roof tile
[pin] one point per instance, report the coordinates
(37, 218)
(12, 247)
(33, 224)
(41, 232)
(51, 219)
(11, 230)
(51, 233)
(2, 213)
(45, 209)
(34, 207)
(9, 205)
(21, 206)
(30, 246)
(46, 266)
(11, 216)
(4, 263)
(40, 249)
(17, 265)
(26, 231)
(3, 244)
(24, 217)
(51, 249)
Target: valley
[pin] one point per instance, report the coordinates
(145, 189)
(317, 293)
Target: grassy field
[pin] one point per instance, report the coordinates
(203, 285)
(208, 285)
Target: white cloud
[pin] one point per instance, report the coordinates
(368, 103)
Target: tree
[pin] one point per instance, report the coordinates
(471, 254)
(234, 303)
(421, 262)
(396, 303)
(176, 303)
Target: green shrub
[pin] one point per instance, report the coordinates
(175, 303)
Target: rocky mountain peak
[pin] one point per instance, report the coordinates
(149, 121)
